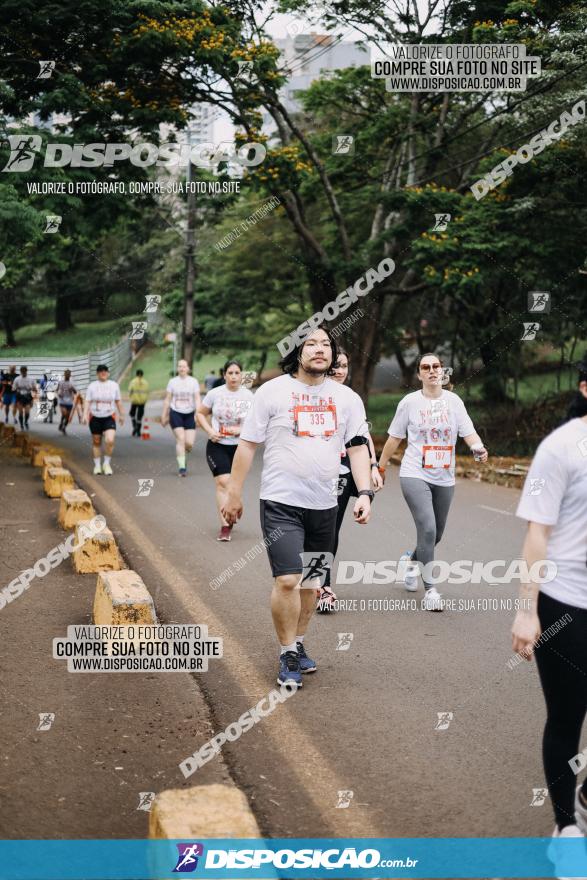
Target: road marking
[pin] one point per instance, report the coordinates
(314, 774)
(496, 509)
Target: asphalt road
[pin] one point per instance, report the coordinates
(366, 722)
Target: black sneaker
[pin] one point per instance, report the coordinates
(306, 663)
(289, 669)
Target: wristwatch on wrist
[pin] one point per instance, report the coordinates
(374, 464)
(368, 492)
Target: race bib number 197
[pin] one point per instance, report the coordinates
(315, 421)
(437, 456)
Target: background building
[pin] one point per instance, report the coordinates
(307, 57)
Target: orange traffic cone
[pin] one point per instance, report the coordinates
(146, 435)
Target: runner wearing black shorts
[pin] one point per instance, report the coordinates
(302, 418)
(8, 395)
(102, 401)
(25, 389)
(179, 407)
(66, 393)
(228, 405)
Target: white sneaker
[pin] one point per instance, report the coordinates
(97, 468)
(432, 601)
(411, 578)
(106, 469)
(557, 856)
(580, 813)
(411, 572)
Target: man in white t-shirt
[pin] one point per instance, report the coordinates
(552, 622)
(181, 402)
(102, 401)
(302, 417)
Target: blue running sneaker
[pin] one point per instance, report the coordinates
(306, 663)
(183, 472)
(289, 669)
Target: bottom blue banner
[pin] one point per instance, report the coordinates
(376, 858)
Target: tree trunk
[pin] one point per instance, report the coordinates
(63, 319)
(365, 349)
(262, 362)
(493, 384)
(408, 370)
(8, 327)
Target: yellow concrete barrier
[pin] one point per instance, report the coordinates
(8, 435)
(75, 506)
(50, 461)
(122, 598)
(57, 479)
(98, 553)
(38, 454)
(200, 812)
(30, 447)
(20, 442)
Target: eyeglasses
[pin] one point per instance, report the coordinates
(428, 367)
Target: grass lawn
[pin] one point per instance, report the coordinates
(157, 364)
(381, 410)
(42, 340)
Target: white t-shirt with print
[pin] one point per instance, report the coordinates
(229, 410)
(303, 427)
(23, 385)
(555, 494)
(184, 391)
(432, 426)
(102, 397)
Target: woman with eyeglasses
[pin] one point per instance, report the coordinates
(432, 419)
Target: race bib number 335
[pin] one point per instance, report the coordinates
(315, 421)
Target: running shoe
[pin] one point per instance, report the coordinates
(432, 601)
(289, 669)
(411, 571)
(106, 469)
(183, 472)
(326, 601)
(558, 856)
(580, 812)
(306, 663)
(224, 534)
(97, 468)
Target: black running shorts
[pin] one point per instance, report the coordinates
(182, 420)
(99, 424)
(303, 531)
(219, 457)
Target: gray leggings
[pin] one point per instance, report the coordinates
(429, 506)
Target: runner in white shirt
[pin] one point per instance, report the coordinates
(66, 393)
(433, 419)
(228, 405)
(181, 402)
(302, 418)
(102, 401)
(552, 620)
(25, 389)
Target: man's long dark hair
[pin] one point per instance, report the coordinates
(578, 407)
(291, 362)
